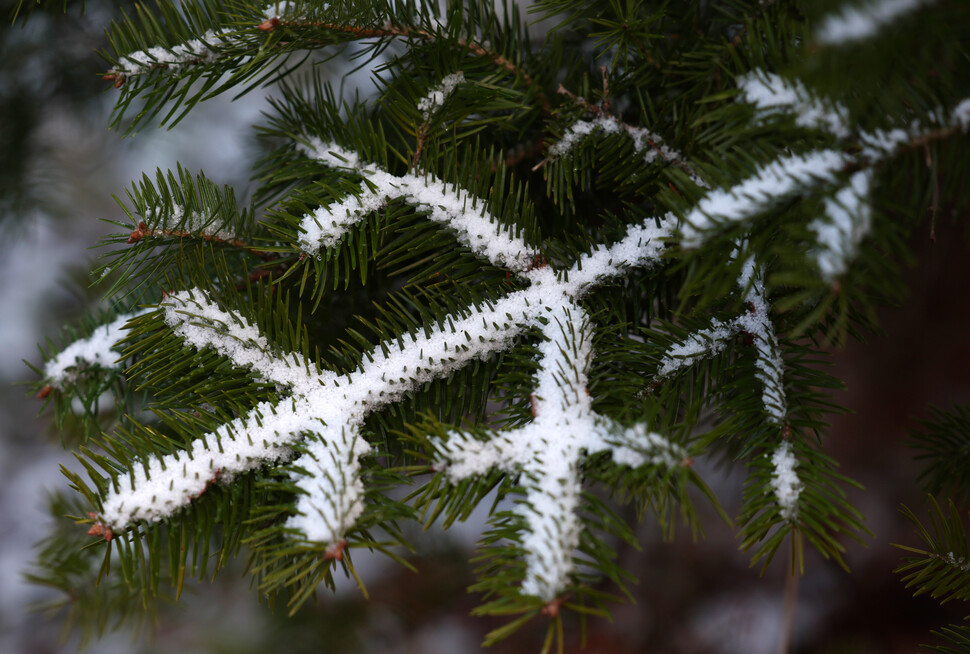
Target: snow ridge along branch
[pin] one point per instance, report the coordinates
(324, 411)
(549, 450)
(457, 209)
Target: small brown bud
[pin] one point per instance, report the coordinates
(269, 25)
(335, 552)
(552, 608)
(99, 529)
(44, 392)
(138, 233)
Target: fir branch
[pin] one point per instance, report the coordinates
(474, 225)
(405, 32)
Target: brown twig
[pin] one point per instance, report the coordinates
(386, 31)
(935, 205)
(143, 231)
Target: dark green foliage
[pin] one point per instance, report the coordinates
(941, 568)
(943, 442)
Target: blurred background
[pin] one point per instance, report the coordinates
(60, 167)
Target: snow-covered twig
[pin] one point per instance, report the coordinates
(847, 222)
(431, 103)
(98, 349)
(785, 482)
(773, 94)
(549, 451)
(792, 174)
(446, 204)
(331, 407)
(756, 323)
(864, 20)
(645, 143)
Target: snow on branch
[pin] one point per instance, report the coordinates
(857, 23)
(773, 94)
(756, 324)
(193, 51)
(444, 203)
(99, 349)
(772, 183)
(789, 175)
(785, 482)
(201, 323)
(847, 222)
(201, 50)
(704, 343)
(324, 412)
(645, 143)
(431, 103)
(548, 452)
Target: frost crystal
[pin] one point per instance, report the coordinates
(431, 103)
(785, 482)
(98, 349)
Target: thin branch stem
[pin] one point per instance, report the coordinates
(390, 31)
(142, 231)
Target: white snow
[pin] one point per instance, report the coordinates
(755, 321)
(773, 94)
(98, 349)
(549, 450)
(193, 222)
(645, 142)
(703, 343)
(769, 185)
(277, 9)
(863, 21)
(431, 103)
(444, 203)
(193, 51)
(325, 412)
(847, 223)
(785, 482)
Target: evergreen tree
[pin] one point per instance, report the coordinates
(540, 267)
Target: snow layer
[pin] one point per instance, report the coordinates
(431, 103)
(773, 94)
(324, 411)
(194, 51)
(646, 143)
(444, 203)
(98, 349)
(548, 452)
(785, 482)
(848, 221)
(864, 20)
(770, 184)
(756, 323)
